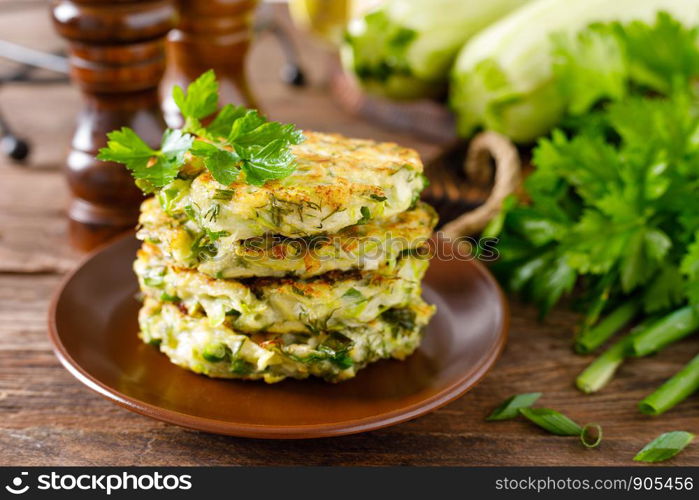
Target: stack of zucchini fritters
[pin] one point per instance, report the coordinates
(315, 274)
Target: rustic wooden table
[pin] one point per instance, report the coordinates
(48, 418)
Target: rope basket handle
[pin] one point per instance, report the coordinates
(507, 180)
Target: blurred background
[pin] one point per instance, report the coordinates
(309, 42)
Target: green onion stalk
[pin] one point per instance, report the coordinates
(650, 336)
(591, 338)
(602, 369)
(675, 390)
(673, 327)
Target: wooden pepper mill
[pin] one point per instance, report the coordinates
(212, 34)
(117, 57)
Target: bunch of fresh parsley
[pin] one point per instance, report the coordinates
(612, 209)
(235, 140)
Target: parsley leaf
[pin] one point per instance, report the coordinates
(223, 164)
(239, 139)
(124, 146)
(662, 56)
(236, 140)
(260, 148)
(152, 169)
(251, 133)
(261, 163)
(690, 268)
(589, 67)
(607, 62)
(200, 99)
(221, 126)
(665, 290)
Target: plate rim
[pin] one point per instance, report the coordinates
(264, 431)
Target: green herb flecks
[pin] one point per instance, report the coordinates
(241, 367)
(366, 215)
(166, 297)
(400, 317)
(215, 353)
(223, 194)
(298, 291)
(212, 213)
(354, 294)
(335, 349)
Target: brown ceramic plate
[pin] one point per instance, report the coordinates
(92, 324)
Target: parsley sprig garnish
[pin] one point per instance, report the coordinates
(235, 140)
